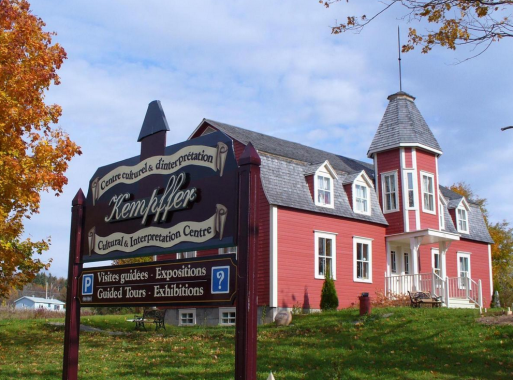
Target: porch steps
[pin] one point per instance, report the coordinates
(461, 303)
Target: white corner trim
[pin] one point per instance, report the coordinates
(417, 188)
(273, 257)
(406, 219)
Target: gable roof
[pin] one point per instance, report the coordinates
(403, 125)
(42, 300)
(289, 149)
(476, 223)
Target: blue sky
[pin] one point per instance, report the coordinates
(268, 66)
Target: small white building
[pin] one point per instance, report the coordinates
(39, 303)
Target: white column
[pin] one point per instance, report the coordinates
(273, 264)
(414, 249)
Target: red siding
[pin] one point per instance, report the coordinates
(479, 264)
(427, 162)
(390, 161)
(310, 182)
(349, 192)
(408, 161)
(412, 220)
(296, 258)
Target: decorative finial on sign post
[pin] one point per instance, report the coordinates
(270, 377)
(399, 48)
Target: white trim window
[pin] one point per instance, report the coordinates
(389, 188)
(361, 199)
(227, 316)
(441, 211)
(324, 190)
(393, 262)
(186, 255)
(410, 190)
(463, 268)
(362, 259)
(406, 262)
(228, 250)
(462, 219)
(186, 317)
(325, 255)
(428, 193)
(435, 262)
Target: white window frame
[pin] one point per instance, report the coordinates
(227, 310)
(436, 252)
(393, 262)
(432, 176)
(333, 237)
(362, 240)
(324, 174)
(180, 255)
(458, 219)
(186, 311)
(384, 193)
(466, 255)
(441, 217)
(407, 189)
(406, 260)
(367, 199)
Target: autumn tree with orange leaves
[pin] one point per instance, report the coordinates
(448, 23)
(34, 154)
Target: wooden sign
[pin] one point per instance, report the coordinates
(183, 200)
(187, 282)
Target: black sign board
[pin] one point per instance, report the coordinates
(183, 200)
(187, 282)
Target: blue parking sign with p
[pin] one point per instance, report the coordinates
(87, 284)
(220, 280)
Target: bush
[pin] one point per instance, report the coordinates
(329, 298)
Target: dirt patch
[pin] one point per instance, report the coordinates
(497, 320)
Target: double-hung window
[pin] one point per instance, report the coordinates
(390, 199)
(464, 269)
(406, 263)
(324, 191)
(462, 220)
(362, 259)
(410, 190)
(393, 262)
(428, 193)
(325, 255)
(361, 199)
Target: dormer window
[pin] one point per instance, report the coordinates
(361, 190)
(324, 177)
(462, 220)
(362, 199)
(324, 191)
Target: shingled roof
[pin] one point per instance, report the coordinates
(293, 161)
(289, 149)
(402, 125)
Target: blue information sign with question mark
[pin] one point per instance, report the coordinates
(220, 280)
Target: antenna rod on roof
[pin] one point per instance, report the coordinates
(399, 48)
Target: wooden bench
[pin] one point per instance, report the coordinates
(417, 299)
(149, 316)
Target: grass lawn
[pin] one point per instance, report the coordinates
(409, 344)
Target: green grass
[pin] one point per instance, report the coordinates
(409, 344)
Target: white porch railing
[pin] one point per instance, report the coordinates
(453, 287)
(466, 288)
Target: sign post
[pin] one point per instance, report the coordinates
(72, 327)
(246, 312)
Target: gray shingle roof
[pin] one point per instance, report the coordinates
(402, 124)
(289, 149)
(476, 223)
(290, 189)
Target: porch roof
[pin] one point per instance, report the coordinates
(428, 236)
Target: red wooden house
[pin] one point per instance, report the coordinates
(382, 226)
